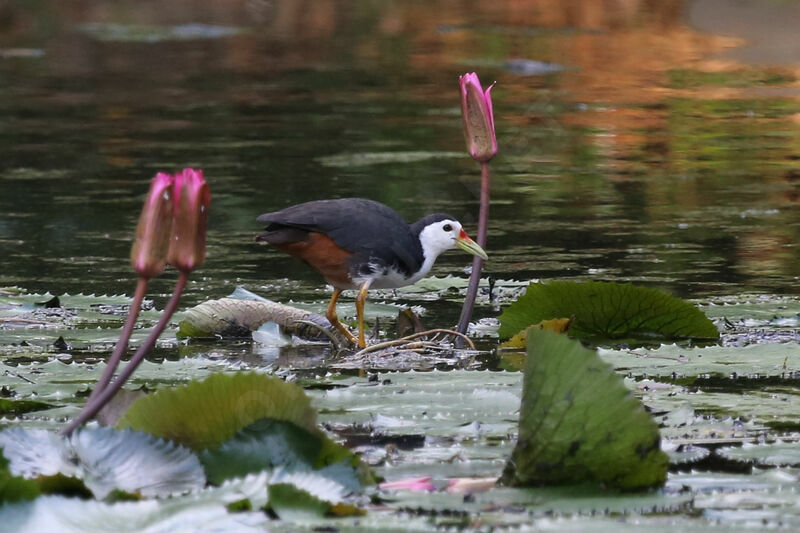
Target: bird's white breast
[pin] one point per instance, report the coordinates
(387, 278)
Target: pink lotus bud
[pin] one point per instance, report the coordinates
(149, 252)
(414, 484)
(187, 248)
(476, 110)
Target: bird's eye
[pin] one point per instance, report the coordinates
(447, 227)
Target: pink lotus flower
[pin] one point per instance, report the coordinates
(414, 484)
(187, 248)
(149, 251)
(476, 110)
(470, 485)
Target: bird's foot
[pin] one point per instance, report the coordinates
(352, 339)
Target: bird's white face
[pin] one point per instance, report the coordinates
(439, 237)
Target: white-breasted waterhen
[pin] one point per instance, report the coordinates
(357, 243)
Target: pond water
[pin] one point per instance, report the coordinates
(645, 149)
(656, 142)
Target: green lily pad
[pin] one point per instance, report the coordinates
(83, 321)
(294, 504)
(15, 488)
(205, 414)
(579, 423)
(774, 454)
(546, 501)
(270, 444)
(684, 453)
(263, 445)
(608, 312)
(18, 407)
(678, 362)
(64, 385)
(446, 424)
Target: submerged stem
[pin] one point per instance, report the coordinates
(477, 262)
(92, 407)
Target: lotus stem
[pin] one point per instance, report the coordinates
(122, 343)
(477, 262)
(93, 406)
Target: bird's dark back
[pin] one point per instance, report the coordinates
(368, 229)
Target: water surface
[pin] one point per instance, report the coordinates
(646, 146)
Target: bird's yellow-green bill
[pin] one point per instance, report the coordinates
(470, 246)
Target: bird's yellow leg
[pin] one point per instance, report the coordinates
(361, 299)
(333, 318)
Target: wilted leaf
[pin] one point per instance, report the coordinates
(608, 311)
(236, 317)
(115, 409)
(520, 340)
(105, 460)
(579, 423)
(204, 414)
(407, 323)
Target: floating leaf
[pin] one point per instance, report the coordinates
(204, 414)
(684, 453)
(135, 462)
(18, 407)
(236, 317)
(36, 452)
(269, 444)
(520, 340)
(117, 406)
(263, 445)
(82, 320)
(774, 454)
(579, 423)
(58, 513)
(608, 311)
(60, 384)
(105, 460)
(295, 504)
(529, 502)
(15, 488)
